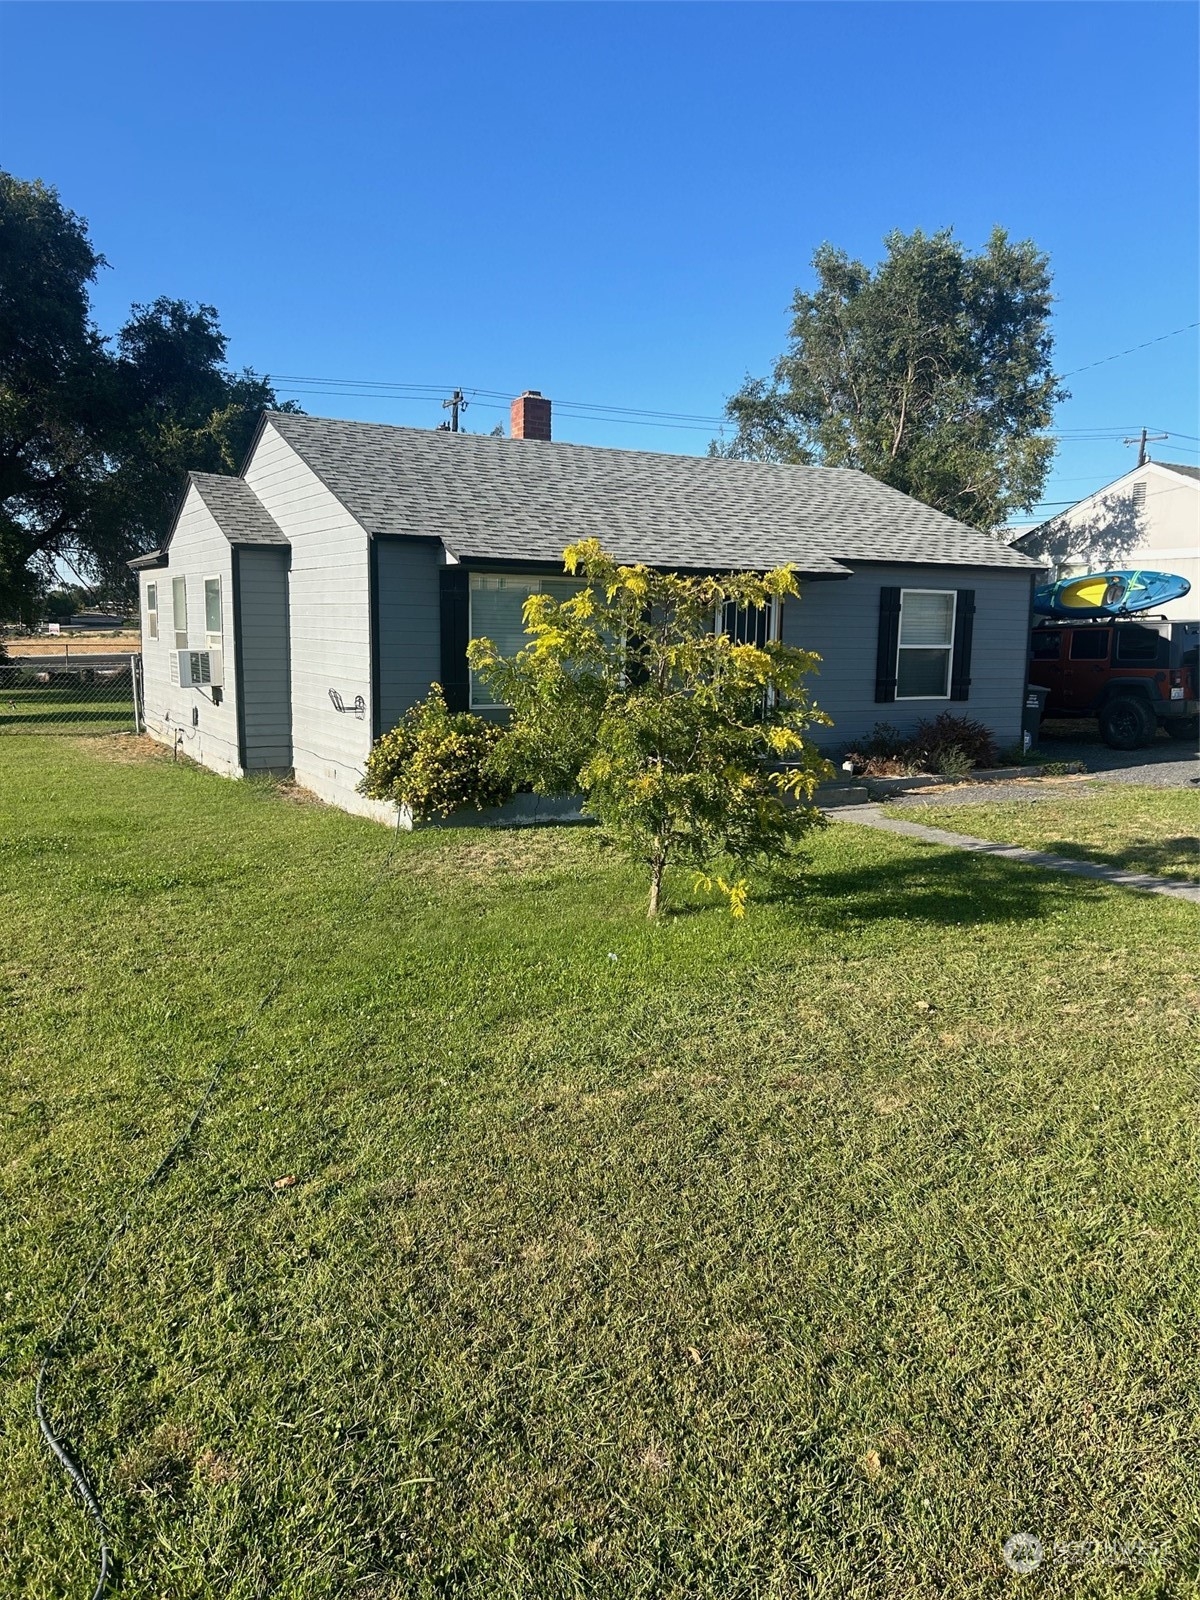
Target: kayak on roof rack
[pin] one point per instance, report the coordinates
(1108, 594)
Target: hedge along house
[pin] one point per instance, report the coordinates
(356, 560)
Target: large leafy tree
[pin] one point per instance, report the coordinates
(932, 372)
(176, 408)
(688, 743)
(53, 385)
(96, 434)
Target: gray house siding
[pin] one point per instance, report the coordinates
(330, 646)
(188, 718)
(407, 625)
(839, 621)
(261, 579)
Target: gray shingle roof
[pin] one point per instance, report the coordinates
(239, 513)
(489, 498)
(1178, 466)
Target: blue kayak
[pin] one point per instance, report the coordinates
(1108, 594)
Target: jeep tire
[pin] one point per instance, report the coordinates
(1127, 722)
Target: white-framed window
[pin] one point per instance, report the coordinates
(497, 612)
(152, 611)
(758, 625)
(926, 644)
(212, 613)
(179, 612)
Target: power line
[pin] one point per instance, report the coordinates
(1133, 348)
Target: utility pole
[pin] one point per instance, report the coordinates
(1146, 438)
(454, 405)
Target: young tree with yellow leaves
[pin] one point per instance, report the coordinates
(668, 703)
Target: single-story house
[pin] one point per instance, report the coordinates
(1149, 517)
(344, 570)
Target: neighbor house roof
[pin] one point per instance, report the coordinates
(490, 498)
(236, 509)
(1178, 466)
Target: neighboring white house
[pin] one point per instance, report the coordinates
(294, 612)
(1148, 518)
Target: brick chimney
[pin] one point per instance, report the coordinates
(530, 416)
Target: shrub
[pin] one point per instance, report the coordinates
(887, 753)
(945, 744)
(435, 761)
(936, 739)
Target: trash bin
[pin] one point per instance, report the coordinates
(1031, 721)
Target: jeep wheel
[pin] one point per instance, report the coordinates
(1183, 728)
(1126, 723)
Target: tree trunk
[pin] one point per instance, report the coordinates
(658, 862)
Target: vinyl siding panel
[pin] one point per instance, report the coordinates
(198, 550)
(408, 624)
(330, 645)
(839, 620)
(265, 665)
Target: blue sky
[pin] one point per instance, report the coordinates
(614, 203)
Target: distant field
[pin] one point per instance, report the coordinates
(100, 643)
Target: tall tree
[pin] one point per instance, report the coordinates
(96, 435)
(176, 408)
(53, 385)
(932, 372)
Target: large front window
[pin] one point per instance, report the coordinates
(926, 644)
(498, 613)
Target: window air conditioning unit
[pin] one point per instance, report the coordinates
(200, 669)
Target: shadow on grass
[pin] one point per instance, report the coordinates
(940, 887)
(1159, 857)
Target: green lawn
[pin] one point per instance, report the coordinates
(806, 1256)
(1139, 830)
(105, 706)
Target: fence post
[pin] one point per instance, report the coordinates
(134, 662)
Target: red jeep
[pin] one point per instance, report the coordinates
(1132, 675)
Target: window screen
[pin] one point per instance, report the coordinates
(926, 642)
(179, 612)
(1090, 644)
(212, 613)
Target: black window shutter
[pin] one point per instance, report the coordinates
(889, 639)
(964, 626)
(456, 631)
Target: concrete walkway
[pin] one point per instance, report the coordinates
(874, 817)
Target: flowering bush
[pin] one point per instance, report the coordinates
(435, 761)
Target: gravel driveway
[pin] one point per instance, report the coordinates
(1166, 764)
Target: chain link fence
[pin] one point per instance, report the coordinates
(74, 694)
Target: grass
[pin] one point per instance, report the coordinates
(1139, 830)
(102, 707)
(807, 1256)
